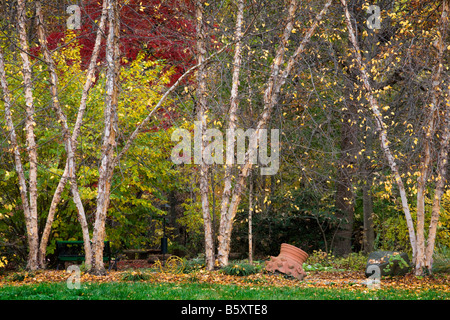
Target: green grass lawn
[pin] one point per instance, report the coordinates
(171, 291)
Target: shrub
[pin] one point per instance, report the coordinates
(441, 260)
(355, 261)
(319, 261)
(193, 265)
(241, 269)
(323, 261)
(135, 275)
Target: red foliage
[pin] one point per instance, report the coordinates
(159, 28)
(162, 29)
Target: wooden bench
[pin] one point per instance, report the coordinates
(67, 251)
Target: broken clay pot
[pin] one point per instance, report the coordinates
(289, 261)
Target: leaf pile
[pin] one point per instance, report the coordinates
(319, 279)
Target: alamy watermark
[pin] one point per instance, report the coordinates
(373, 281)
(74, 21)
(73, 281)
(374, 21)
(212, 151)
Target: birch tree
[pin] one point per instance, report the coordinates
(202, 108)
(440, 107)
(30, 206)
(37, 255)
(90, 77)
(276, 80)
(110, 159)
(14, 148)
(234, 103)
(109, 136)
(421, 259)
(70, 140)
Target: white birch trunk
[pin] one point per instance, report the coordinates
(229, 213)
(438, 192)
(444, 141)
(31, 217)
(381, 128)
(234, 103)
(109, 139)
(13, 138)
(430, 129)
(201, 117)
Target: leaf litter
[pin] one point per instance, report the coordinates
(349, 280)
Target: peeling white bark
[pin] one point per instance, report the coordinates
(31, 217)
(109, 138)
(201, 117)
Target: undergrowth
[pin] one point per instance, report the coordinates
(323, 261)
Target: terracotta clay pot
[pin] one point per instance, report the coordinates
(289, 261)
